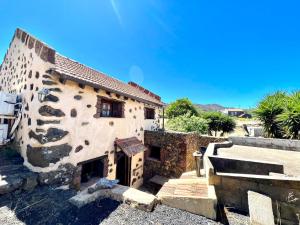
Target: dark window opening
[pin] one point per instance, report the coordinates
(92, 169)
(111, 108)
(154, 152)
(149, 113)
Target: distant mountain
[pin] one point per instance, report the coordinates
(210, 107)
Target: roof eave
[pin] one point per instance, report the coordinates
(54, 71)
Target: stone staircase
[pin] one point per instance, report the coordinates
(190, 193)
(13, 174)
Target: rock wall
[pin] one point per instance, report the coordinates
(59, 133)
(176, 152)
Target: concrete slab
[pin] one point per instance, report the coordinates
(133, 197)
(260, 209)
(192, 195)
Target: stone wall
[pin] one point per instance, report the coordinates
(275, 143)
(232, 191)
(243, 166)
(176, 152)
(62, 131)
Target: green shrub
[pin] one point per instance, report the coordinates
(181, 107)
(188, 123)
(289, 119)
(267, 112)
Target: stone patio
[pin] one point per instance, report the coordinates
(191, 194)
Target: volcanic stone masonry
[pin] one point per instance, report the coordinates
(65, 129)
(176, 152)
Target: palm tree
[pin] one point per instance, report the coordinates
(267, 112)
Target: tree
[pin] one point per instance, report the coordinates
(214, 121)
(289, 119)
(219, 122)
(227, 124)
(181, 107)
(267, 112)
(188, 123)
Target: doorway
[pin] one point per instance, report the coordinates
(123, 169)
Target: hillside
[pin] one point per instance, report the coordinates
(210, 107)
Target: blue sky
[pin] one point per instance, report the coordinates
(226, 52)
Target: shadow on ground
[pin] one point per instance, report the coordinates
(46, 205)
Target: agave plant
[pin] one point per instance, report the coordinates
(268, 111)
(289, 119)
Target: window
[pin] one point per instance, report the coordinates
(154, 152)
(149, 113)
(111, 108)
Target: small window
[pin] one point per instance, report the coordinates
(149, 114)
(111, 109)
(154, 152)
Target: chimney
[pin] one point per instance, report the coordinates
(147, 92)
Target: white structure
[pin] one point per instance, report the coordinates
(255, 131)
(73, 115)
(233, 112)
(7, 111)
(7, 103)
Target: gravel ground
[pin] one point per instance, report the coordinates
(47, 205)
(161, 215)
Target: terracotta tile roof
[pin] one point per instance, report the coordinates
(130, 146)
(80, 72)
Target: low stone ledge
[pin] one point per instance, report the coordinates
(133, 197)
(274, 143)
(244, 166)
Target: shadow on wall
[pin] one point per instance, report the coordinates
(46, 205)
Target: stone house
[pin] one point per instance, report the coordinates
(77, 123)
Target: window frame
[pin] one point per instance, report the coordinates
(152, 114)
(115, 109)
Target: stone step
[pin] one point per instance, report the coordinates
(133, 197)
(25, 180)
(192, 195)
